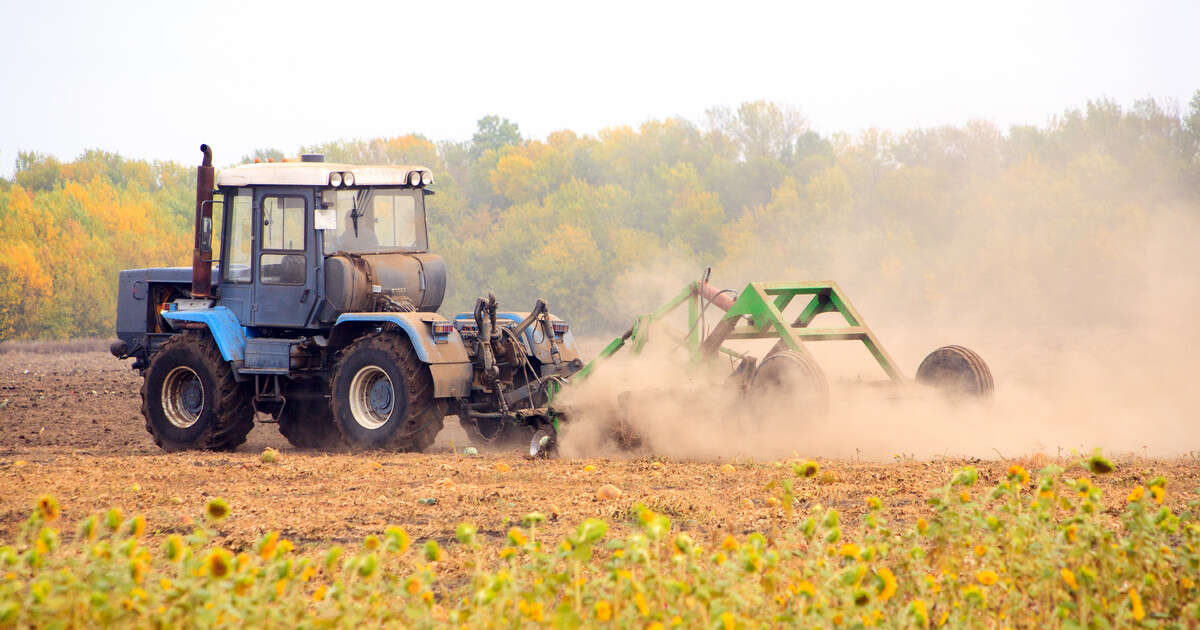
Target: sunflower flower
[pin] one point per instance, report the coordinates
(888, 586)
(217, 509)
(218, 563)
(987, 577)
(1069, 577)
(1135, 603)
(47, 507)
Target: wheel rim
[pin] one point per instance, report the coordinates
(182, 397)
(372, 397)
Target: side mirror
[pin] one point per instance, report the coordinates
(206, 228)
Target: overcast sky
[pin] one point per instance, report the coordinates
(155, 79)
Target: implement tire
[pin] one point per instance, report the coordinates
(792, 381)
(382, 395)
(190, 399)
(957, 372)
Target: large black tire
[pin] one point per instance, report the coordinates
(382, 395)
(792, 381)
(309, 424)
(957, 372)
(190, 398)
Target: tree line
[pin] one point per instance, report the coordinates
(599, 224)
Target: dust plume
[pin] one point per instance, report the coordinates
(1091, 343)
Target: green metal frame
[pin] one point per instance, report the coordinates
(757, 314)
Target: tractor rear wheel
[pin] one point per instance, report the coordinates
(382, 395)
(190, 398)
(958, 372)
(792, 381)
(309, 424)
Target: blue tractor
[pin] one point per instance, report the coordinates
(318, 311)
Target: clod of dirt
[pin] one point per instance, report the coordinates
(608, 492)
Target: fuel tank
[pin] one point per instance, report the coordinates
(351, 280)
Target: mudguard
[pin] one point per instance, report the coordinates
(222, 323)
(448, 362)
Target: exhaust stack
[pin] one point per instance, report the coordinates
(202, 257)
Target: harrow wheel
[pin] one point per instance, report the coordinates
(382, 395)
(791, 379)
(190, 398)
(957, 372)
(494, 432)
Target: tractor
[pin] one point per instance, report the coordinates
(318, 312)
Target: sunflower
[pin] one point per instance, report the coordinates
(1018, 473)
(47, 507)
(173, 547)
(603, 610)
(1069, 577)
(217, 509)
(888, 586)
(1135, 603)
(218, 563)
(987, 578)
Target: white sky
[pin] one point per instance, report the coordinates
(155, 79)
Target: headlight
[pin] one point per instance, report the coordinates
(335, 179)
(426, 178)
(414, 178)
(348, 178)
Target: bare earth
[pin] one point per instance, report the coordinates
(70, 426)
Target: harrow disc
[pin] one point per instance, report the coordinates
(790, 379)
(957, 372)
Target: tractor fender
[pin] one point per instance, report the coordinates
(226, 330)
(448, 361)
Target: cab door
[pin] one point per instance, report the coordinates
(284, 275)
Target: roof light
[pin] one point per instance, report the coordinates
(414, 178)
(426, 178)
(335, 179)
(348, 178)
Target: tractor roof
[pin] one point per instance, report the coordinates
(314, 174)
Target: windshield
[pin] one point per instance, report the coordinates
(376, 220)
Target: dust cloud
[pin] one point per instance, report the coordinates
(1090, 346)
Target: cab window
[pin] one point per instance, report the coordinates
(236, 265)
(283, 240)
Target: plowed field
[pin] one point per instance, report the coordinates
(70, 426)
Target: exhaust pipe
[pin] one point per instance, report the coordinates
(202, 257)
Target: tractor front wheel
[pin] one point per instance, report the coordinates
(190, 398)
(382, 395)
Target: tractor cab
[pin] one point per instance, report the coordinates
(302, 242)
